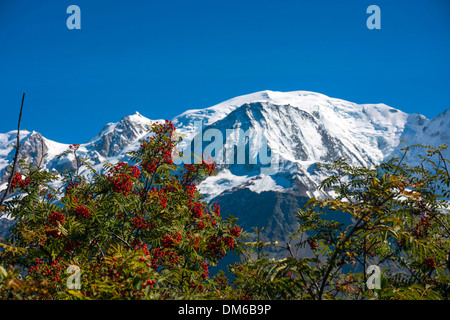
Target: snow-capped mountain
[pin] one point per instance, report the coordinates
(110, 145)
(297, 129)
(303, 129)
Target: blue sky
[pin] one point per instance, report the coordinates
(164, 57)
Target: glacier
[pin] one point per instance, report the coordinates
(301, 129)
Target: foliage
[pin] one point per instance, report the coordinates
(140, 230)
(394, 216)
(137, 230)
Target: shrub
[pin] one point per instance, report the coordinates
(137, 230)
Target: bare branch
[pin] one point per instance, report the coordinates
(16, 156)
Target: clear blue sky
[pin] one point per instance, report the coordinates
(163, 57)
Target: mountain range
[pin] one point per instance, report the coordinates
(299, 129)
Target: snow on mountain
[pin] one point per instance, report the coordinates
(7, 151)
(110, 145)
(296, 122)
(419, 130)
(302, 129)
(298, 130)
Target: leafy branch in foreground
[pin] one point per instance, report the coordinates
(394, 216)
(138, 230)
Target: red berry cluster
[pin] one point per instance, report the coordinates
(121, 176)
(19, 181)
(53, 232)
(205, 273)
(52, 270)
(141, 223)
(157, 255)
(171, 187)
(71, 186)
(112, 271)
(166, 128)
(430, 263)
(163, 258)
(312, 245)
(421, 228)
(164, 146)
(221, 280)
(172, 258)
(197, 210)
(135, 172)
(163, 201)
(195, 286)
(137, 245)
(167, 156)
(83, 212)
(54, 218)
(169, 126)
(216, 208)
(190, 167)
(191, 189)
(161, 195)
(236, 231)
(194, 242)
(200, 225)
(168, 241)
(150, 167)
(215, 246)
(71, 245)
(149, 282)
(74, 146)
(209, 165)
(37, 266)
(229, 242)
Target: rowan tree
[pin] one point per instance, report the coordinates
(136, 229)
(394, 216)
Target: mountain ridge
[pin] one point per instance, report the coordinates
(296, 120)
(299, 129)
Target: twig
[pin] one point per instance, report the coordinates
(16, 156)
(124, 241)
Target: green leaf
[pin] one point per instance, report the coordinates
(147, 290)
(3, 272)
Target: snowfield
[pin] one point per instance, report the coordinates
(297, 129)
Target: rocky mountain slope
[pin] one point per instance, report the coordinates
(295, 130)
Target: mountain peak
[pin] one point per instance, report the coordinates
(302, 127)
(221, 110)
(135, 117)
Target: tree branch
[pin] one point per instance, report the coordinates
(16, 156)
